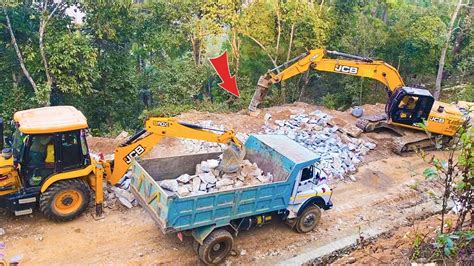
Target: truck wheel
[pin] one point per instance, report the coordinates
(308, 220)
(216, 247)
(65, 200)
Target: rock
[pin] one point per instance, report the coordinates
(170, 184)
(370, 145)
(364, 150)
(212, 163)
(127, 195)
(243, 252)
(232, 176)
(185, 178)
(356, 160)
(239, 183)
(352, 177)
(208, 178)
(357, 111)
(183, 191)
(122, 136)
(2, 232)
(267, 117)
(196, 183)
(125, 202)
(205, 168)
(224, 182)
(351, 260)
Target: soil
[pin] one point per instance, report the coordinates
(397, 247)
(389, 191)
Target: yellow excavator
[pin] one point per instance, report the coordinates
(48, 164)
(406, 107)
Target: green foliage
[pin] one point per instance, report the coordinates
(158, 50)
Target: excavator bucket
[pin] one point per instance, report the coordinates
(232, 158)
(264, 82)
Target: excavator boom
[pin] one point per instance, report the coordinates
(359, 67)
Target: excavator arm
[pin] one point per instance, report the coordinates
(357, 66)
(155, 129)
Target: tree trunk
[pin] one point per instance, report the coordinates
(442, 58)
(277, 48)
(18, 53)
(290, 44)
(462, 32)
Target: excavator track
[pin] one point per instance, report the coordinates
(415, 141)
(373, 122)
(407, 140)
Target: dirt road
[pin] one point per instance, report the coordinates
(387, 193)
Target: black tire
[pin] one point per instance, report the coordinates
(216, 247)
(65, 200)
(308, 220)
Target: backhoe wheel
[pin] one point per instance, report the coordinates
(308, 220)
(216, 247)
(65, 200)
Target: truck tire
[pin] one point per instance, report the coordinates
(216, 247)
(65, 200)
(308, 220)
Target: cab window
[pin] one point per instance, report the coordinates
(408, 102)
(307, 173)
(71, 150)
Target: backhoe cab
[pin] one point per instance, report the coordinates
(47, 163)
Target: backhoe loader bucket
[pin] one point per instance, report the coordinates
(232, 158)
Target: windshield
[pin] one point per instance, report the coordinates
(18, 143)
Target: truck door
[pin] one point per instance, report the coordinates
(304, 185)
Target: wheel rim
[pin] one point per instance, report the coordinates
(68, 201)
(309, 220)
(218, 251)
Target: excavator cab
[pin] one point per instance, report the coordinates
(409, 106)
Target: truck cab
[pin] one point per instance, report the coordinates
(48, 145)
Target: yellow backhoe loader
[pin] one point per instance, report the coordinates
(49, 165)
(406, 107)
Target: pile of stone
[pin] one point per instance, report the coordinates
(120, 193)
(208, 178)
(340, 154)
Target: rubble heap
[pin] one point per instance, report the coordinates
(208, 178)
(340, 154)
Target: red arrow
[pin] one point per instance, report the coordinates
(221, 66)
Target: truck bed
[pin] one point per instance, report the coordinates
(174, 213)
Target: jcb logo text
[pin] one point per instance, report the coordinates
(161, 124)
(135, 153)
(346, 69)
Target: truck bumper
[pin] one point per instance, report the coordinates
(328, 205)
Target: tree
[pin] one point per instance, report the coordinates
(442, 58)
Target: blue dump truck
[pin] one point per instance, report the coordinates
(297, 195)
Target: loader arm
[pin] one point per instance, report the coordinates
(358, 66)
(155, 129)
